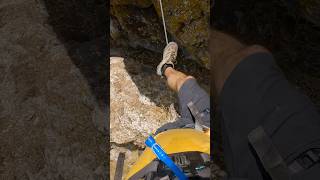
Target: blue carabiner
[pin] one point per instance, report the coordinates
(162, 155)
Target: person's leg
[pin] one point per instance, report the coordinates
(253, 93)
(175, 79)
(188, 91)
(226, 53)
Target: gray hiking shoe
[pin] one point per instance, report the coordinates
(169, 57)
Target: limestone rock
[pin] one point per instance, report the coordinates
(135, 95)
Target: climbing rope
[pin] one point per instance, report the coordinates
(163, 22)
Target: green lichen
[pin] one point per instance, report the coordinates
(187, 23)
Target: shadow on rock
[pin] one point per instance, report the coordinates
(141, 67)
(81, 26)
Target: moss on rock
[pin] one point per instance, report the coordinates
(187, 23)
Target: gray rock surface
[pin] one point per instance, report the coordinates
(133, 115)
(140, 103)
(47, 110)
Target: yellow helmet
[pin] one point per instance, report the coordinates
(172, 141)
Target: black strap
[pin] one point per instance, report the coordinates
(305, 160)
(194, 164)
(164, 67)
(119, 167)
(268, 154)
(151, 167)
(279, 117)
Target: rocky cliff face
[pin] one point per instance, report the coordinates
(140, 100)
(49, 113)
(133, 113)
(139, 24)
(140, 104)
